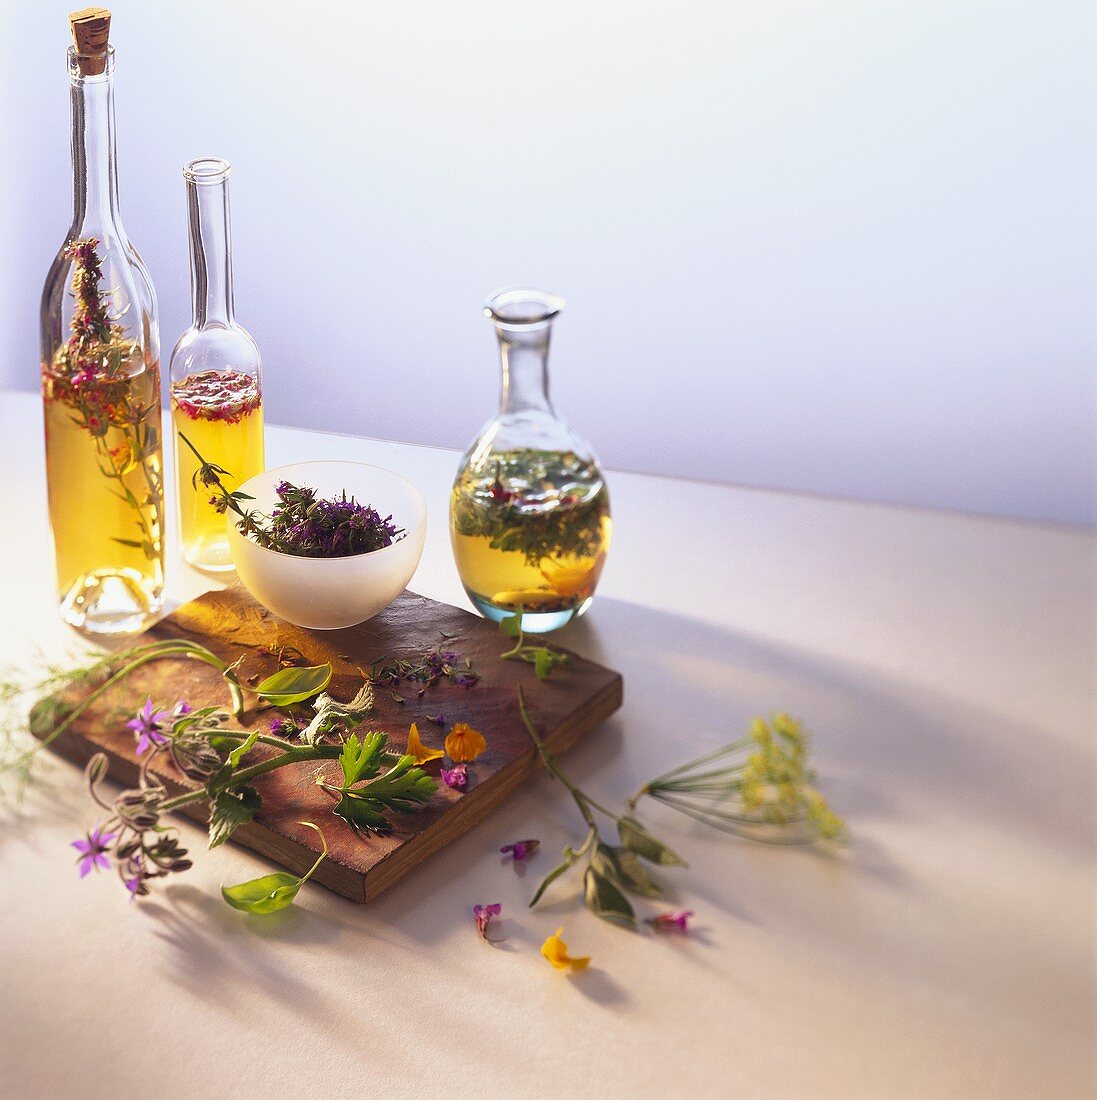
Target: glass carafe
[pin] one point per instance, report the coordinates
(100, 375)
(216, 375)
(529, 513)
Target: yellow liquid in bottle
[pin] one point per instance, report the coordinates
(221, 413)
(532, 541)
(105, 477)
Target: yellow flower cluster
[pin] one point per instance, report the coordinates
(776, 781)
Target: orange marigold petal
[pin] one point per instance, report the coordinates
(418, 751)
(464, 744)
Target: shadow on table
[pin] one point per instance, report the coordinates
(890, 754)
(884, 747)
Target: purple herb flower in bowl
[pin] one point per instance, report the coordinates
(336, 542)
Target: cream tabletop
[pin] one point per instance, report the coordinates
(946, 665)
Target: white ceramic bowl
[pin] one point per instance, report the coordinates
(330, 593)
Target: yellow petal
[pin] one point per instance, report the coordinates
(556, 951)
(464, 744)
(418, 751)
(568, 580)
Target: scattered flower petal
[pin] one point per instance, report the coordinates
(456, 777)
(556, 951)
(671, 922)
(463, 743)
(521, 849)
(484, 915)
(418, 751)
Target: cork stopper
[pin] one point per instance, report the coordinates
(91, 33)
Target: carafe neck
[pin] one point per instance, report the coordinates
(525, 373)
(523, 324)
(210, 242)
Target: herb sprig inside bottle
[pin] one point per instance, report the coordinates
(301, 523)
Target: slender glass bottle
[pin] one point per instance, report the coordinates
(216, 374)
(101, 377)
(529, 514)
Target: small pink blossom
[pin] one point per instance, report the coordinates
(521, 850)
(671, 922)
(484, 915)
(456, 777)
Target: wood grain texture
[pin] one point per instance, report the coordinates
(577, 697)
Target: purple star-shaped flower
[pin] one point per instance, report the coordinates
(521, 849)
(148, 727)
(93, 850)
(484, 915)
(456, 777)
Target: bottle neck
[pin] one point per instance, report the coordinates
(210, 250)
(94, 163)
(524, 356)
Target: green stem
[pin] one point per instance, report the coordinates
(585, 804)
(207, 470)
(302, 755)
(516, 651)
(154, 652)
(320, 858)
(654, 784)
(290, 756)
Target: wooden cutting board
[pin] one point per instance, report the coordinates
(574, 700)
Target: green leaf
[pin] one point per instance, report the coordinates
(263, 895)
(362, 813)
(403, 787)
(553, 875)
(361, 759)
(545, 660)
(633, 875)
(637, 839)
(605, 900)
(512, 625)
(625, 869)
(135, 543)
(294, 685)
(270, 893)
(231, 807)
(243, 749)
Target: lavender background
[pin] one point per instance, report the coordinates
(844, 247)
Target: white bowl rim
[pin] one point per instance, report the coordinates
(409, 532)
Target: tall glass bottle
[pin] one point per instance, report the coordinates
(216, 374)
(529, 513)
(101, 377)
